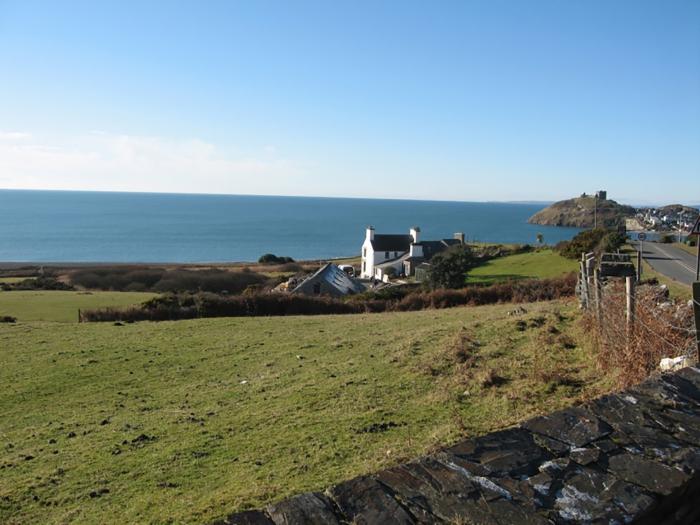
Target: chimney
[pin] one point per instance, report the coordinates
(415, 232)
(370, 233)
(460, 237)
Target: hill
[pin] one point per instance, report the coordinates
(183, 422)
(581, 212)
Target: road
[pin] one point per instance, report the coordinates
(673, 262)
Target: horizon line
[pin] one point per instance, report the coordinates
(412, 199)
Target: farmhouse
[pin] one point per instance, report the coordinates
(384, 255)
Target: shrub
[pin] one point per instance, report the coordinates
(666, 239)
(692, 241)
(448, 268)
(595, 240)
(40, 283)
(7, 319)
(163, 280)
(271, 258)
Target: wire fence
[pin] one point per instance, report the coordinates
(635, 326)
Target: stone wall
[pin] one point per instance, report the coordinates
(632, 457)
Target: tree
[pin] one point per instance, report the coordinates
(540, 238)
(448, 269)
(271, 258)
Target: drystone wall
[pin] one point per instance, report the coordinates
(631, 457)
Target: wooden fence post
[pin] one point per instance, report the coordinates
(629, 289)
(597, 294)
(639, 265)
(696, 310)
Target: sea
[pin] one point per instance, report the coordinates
(68, 226)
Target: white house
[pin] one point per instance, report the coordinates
(400, 253)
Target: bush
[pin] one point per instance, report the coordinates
(692, 241)
(39, 283)
(7, 319)
(162, 280)
(595, 240)
(448, 268)
(666, 239)
(271, 258)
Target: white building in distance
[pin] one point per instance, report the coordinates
(399, 254)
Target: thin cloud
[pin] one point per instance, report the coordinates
(104, 161)
(14, 135)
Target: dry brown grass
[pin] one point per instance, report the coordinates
(660, 328)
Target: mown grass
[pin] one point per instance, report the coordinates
(60, 306)
(538, 264)
(183, 422)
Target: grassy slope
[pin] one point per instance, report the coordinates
(538, 264)
(42, 305)
(313, 384)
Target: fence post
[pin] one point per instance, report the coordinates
(597, 294)
(696, 310)
(590, 261)
(639, 265)
(629, 289)
(79, 317)
(583, 286)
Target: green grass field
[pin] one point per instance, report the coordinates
(183, 422)
(538, 264)
(60, 306)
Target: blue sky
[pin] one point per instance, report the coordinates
(461, 100)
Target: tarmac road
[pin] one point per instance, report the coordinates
(671, 261)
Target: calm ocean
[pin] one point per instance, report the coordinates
(53, 226)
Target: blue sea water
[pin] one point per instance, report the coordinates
(62, 226)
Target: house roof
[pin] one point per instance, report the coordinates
(391, 243)
(392, 262)
(334, 277)
(430, 248)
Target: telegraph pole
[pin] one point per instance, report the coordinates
(595, 211)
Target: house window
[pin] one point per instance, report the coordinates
(386, 255)
(364, 252)
(364, 267)
(317, 288)
(396, 254)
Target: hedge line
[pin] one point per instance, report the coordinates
(189, 306)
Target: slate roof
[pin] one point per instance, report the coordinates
(391, 243)
(430, 248)
(336, 281)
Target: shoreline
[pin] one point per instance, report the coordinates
(17, 265)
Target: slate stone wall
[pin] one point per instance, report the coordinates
(632, 457)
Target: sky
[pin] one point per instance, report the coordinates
(464, 100)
